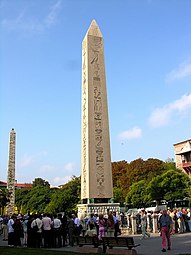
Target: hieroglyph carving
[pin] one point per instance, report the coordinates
(11, 174)
(84, 119)
(96, 44)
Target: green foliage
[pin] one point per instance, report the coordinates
(136, 195)
(67, 198)
(41, 198)
(34, 200)
(118, 196)
(3, 198)
(125, 174)
(40, 182)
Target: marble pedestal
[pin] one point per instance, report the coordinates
(85, 210)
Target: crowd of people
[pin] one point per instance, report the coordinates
(180, 219)
(49, 231)
(168, 222)
(54, 231)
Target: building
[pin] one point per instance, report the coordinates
(17, 185)
(183, 156)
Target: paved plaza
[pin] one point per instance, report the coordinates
(181, 244)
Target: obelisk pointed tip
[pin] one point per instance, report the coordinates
(94, 29)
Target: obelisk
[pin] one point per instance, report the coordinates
(96, 172)
(11, 173)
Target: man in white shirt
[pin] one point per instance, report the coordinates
(46, 224)
(57, 232)
(10, 224)
(38, 234)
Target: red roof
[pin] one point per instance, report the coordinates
(19, 185)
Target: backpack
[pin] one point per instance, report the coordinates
(35, 228)
(92, 221)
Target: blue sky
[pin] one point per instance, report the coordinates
(148, 73)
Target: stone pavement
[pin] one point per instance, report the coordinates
(181, 244)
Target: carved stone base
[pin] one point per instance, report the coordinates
(85, 210)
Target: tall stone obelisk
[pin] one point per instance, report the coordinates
(96, 172)
(11, 173)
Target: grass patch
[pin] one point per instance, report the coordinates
(30, 251)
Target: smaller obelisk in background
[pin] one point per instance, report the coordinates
(11, 173)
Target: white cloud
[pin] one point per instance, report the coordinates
(60, 180)
(52, 15)
(24, 22)
(133, 133)
(26, 161)
(69, 167)
(162, 116)
(181, 72)
(47, 169)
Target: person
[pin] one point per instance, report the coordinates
(102, 224)
(47, 224)
(11, 237)
(64, 230)
(144, 224)
(165, 226)
(117, 224)
(78, 228)
(1, 225)
(188, 219)
(37, 242)
(25, 235)
(70, 226)
(5, 227)
(57, 232)
(110, 225)
(18, 230)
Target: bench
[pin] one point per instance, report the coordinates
(87, 240)
(111, 242)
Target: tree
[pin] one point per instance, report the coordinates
(20, 198)
(136, 195)
(40, 182)
(67, 198)
(3, 199)
(170, 186)
(118, 196)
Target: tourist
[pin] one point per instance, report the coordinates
(70, 227)
(64, 230)
(91, 222)
(47, 231)
(165, 226)
(189, 219)
(5, 227)
(57, 232)
(102, 224)
(25, 235)
(117, 224)
(1, 225)
(83, 225)
(30, 232)
(36, 227)
(78, 228)
(110, 225)
(11, 236)
(144, 224)
(18, 230)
